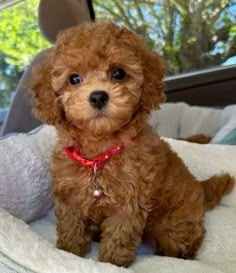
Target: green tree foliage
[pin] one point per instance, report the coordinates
(20, 42)
(189, 34)
(19, 33)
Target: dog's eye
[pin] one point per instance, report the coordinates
(75, 79)
(118, 74)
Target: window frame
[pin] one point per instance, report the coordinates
(207, 87)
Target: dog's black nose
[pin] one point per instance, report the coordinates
(98, 99)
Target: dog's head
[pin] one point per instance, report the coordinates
(98, 77)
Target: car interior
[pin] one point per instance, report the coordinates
(201, 101)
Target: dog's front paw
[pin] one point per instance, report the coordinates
(74, 247)
(116, 253)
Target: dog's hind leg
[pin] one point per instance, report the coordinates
(177, 232)
(181, 240)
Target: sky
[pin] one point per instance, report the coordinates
(230, 61)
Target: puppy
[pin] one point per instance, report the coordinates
(98, 86)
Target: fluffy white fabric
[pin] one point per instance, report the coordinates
(25, 191)
(182, 120)
(25, 180)
(217, 254)
(23, 246)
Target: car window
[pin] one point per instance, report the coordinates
(20, 42)
(190, 35)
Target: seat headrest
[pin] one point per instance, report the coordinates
(54, 15)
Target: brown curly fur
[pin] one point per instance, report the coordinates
(149, 192)
(200, 139)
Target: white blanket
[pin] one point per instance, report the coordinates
(182, 120)
(217, 253)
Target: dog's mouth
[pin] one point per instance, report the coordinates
(103, 113)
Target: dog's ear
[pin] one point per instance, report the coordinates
(44, 98)
(153, 87)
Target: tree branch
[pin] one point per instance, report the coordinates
(222, 34)
(115, 15)
(139, 11)
(215, 15)
(120, 8)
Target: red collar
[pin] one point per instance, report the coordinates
(100, 161)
